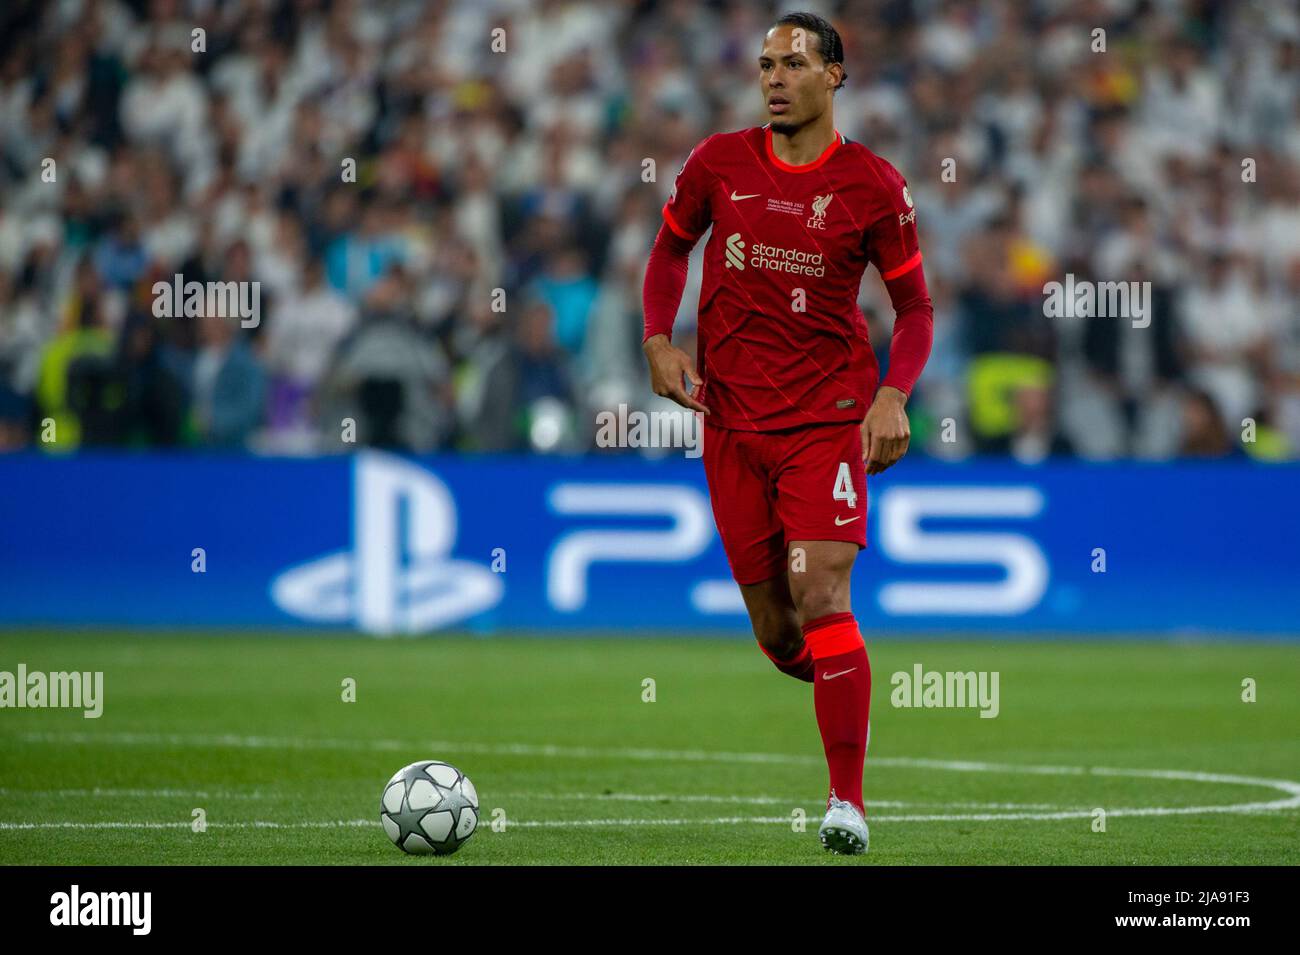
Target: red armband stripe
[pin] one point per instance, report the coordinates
(906, 267)
(677, 230)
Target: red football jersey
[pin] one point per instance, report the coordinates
(782, 342)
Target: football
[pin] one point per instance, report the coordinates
(429, 808)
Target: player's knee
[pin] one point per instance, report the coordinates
(821, 597)
(777, 631)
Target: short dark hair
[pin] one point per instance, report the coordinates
(829, 44)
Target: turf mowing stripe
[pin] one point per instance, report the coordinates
(491, 749)
(341, 824)
(770, 800)
(1292, 789)
(360, 823)
(563, 797)
(621, 823)
(140, 793)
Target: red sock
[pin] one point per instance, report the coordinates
(842, 697)
(799, 666)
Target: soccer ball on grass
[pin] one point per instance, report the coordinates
(429, 808)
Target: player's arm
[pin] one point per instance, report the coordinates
(665, 278)
(896, 252)
(686, 217)
(886, 433)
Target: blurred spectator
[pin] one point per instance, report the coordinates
(304, 332)
(1034, 436)
(227, 384)
(388, 379)
(1229, 341)
(154, 396)
(393, 189)
(570, 292)
(1203, 432)
(72, 382)
(543, 369)
(486, 392)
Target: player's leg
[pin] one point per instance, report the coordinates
(822, 499)
(841, 668)
(740, 491)
(776, 626)
(841, 685)
(819, 578)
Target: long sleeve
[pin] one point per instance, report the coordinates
(909, 348)
(665, 278)
(894, 247)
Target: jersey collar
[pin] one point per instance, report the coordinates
(779, 163)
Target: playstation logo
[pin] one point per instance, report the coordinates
(399, 576)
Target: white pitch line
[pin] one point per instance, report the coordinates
(362, 823)
(99, 792)
(764, 800)
(1291, 789)
(594, 823)
(102, 793)
(337, 824)
(1278, 805)
(491, 749)
(629, 823)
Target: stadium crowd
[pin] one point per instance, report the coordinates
(477, 287)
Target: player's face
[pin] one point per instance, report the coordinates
(796, 84)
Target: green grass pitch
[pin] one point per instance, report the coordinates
(556, 736)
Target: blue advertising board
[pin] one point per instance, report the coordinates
(390, 545)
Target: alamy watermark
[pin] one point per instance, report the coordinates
(1085, 299)
(130, 909)
(181, 299)
(946, 690)
(56, 690)
(651, 429)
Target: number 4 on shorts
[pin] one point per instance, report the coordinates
(844, 486)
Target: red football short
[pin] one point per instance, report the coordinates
(769, 488)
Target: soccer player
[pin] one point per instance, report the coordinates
(786, 378)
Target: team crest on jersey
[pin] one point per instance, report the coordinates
(818, 220)
(905, 217)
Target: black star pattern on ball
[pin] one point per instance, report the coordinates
(408, 819)
(454, 801)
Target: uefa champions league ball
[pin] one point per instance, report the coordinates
(429, 808)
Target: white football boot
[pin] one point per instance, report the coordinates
(844, 830)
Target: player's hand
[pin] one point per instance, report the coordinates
(669, 366)
(885, 430)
